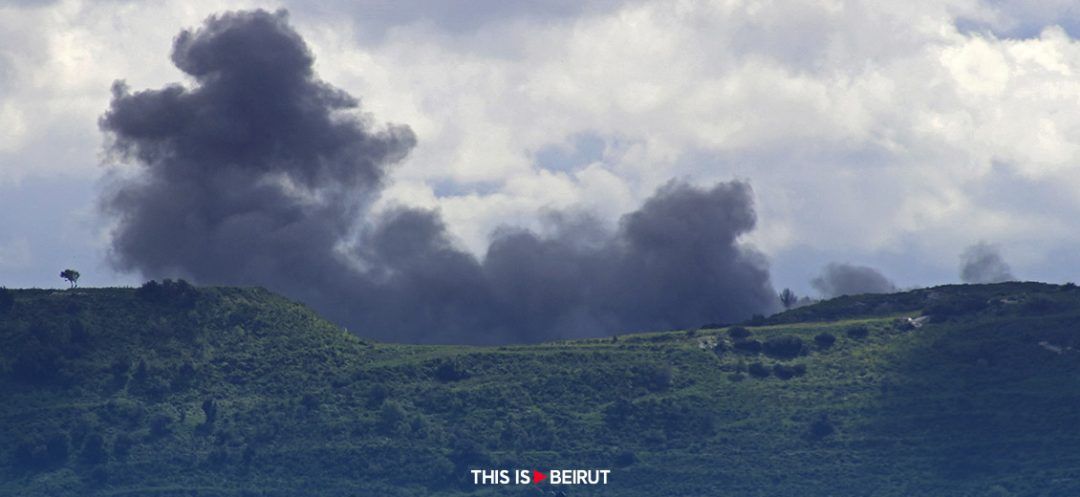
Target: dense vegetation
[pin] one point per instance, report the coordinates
(171, 390)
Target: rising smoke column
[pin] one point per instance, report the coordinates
(251, 176)
(258, 174)
(983, 263)
(848, 279)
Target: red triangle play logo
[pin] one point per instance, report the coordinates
(538, 476)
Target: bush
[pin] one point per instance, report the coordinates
(161, 424)
(655, 377)
(448, 370)
(738, 332)
(616, 414)
(40, 453)
(178, 293)
(391, 417)
(98, 476)
(210, 411)
(7, 300)
(38, 365)
(821, 428)
(93, 449)
(858, 332)
(736, 377)
(955, 305)
(77, 332)
(751, 347)
(122, 445)
(784, 347)
(825, 340)
(758, 370)
(785, 372)
(721, 347)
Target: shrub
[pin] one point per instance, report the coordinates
(129, 411)
(656, 377)
(310, 401)
(748, 346)
(758, 370)
(736, 377)
(625, 458)
(821, 428)
(98, 476)
(43, 452)
(178, 293)
(825, 340)
(858, 332)
(721, 347)
(122, 445)
(161, 424)
(185, 376)
(785, 372)
(391, 416)
(93, 449)
(738, 332)
(450, 370)
(955, 305)
(7, 300)
(77, 332)
(37, 365)
(466, 452)
(784, 347)
(618, 413)
(1040, 305)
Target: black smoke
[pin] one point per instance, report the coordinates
(849, 279)
(259, 174)
(983, 263)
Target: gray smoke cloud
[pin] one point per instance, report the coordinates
(983, 263)
(258, 175)
(849, 279)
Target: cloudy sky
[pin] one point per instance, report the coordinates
(889, 134)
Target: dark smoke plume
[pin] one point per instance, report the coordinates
(257, 175)
(848, 279)
(982, 263)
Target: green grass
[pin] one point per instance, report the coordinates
(968, 405)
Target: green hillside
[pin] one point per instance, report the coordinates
(174, 391)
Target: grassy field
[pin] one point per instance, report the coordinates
(170, 390)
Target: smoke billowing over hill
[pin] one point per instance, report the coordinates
(983, 263)
(262, 174)
(849, 279)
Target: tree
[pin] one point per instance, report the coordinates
(784, 347)
(71, 275)
(7, 299)
(788, 298)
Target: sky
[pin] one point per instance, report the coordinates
(892, 135)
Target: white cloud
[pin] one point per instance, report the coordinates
(862, 125)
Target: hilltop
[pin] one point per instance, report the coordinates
(171, 390)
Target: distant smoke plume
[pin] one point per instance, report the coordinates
(257, 176)
(982, 263)
(847, 279)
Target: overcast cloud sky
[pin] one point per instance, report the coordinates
(886, 134)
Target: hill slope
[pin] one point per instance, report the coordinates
(171, 390)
